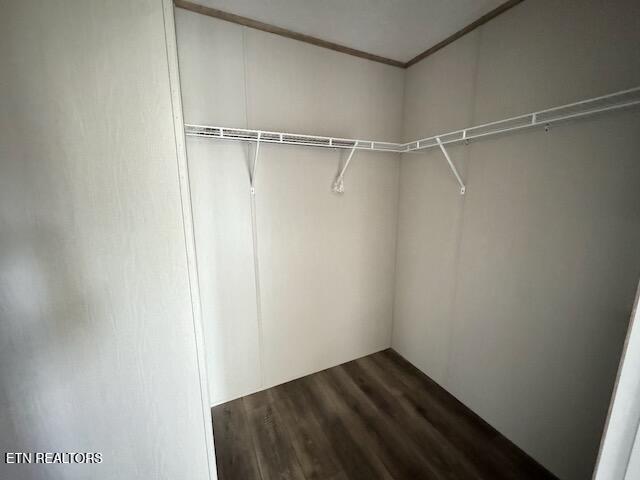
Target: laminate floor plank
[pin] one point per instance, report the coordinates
(402, 458)
(235, 454)
(451, 463)
(271, 441)
(346, 435)
(313, 449)
(375, 418)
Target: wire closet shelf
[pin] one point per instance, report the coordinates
(544, 118)
(245, 135)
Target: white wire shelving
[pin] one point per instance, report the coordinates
(282, 138)
(544, 118)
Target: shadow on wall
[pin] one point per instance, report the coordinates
(47, 343)
(43, 326)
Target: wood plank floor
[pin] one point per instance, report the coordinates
(377, 417)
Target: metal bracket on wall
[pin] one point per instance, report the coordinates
(338, 184)
(252, 172)
(463, 188)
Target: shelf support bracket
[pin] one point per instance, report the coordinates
(338, 184)
(252, 172)
(453, 168)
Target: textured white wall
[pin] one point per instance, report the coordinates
(633, 467)
(326, 262)
(619, 456)
(516, 297)
(97, 346)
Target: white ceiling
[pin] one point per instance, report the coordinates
(396, 29)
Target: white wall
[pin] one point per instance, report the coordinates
(633, 467)
(326, 262)
(516, 297)
(97, 344)
(619, 456)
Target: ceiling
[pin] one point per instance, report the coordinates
(396, 29)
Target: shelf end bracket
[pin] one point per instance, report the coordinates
(338, 184)
(453, 168)
(252, 172)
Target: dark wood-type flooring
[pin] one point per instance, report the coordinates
(377, 417)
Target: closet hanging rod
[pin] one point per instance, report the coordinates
(543, 118)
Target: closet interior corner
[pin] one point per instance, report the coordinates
(412, 265)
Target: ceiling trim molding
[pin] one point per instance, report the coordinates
(301, 37)
(265, 27)
(462, 32)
